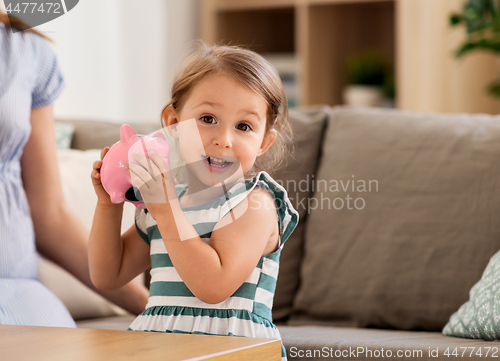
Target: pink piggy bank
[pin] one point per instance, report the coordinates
(114, 173)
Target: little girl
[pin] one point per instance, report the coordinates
(213, 245)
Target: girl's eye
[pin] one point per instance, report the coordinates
(209, 119)
(244, 127)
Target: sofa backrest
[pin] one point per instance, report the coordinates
(403, 219)
(308, 126)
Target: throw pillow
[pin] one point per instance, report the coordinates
(64, 135)
(480, 316)
(74, 168)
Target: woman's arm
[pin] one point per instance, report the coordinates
(60, 236)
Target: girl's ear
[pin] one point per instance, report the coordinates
(269, 139)
(170, 119)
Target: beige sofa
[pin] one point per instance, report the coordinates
(399, 217)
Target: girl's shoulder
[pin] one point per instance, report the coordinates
(277, 191)
(288, 217)
(263, 179)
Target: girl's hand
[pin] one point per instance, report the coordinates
(152, 177)
(102, 196)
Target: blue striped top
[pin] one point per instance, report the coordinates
(29, 78)
(173, 308)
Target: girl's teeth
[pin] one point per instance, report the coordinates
(217, 162)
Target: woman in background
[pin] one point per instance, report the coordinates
(33, 214)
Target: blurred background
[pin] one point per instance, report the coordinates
(119, 56)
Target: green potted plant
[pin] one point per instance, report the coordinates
(482, 21)
(367, 72)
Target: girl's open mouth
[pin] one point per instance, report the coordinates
(216, 164)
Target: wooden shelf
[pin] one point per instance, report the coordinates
(321, 33)
(253, 4)
(414, 36)
(267, 4)
(338, 32)
(272, 30)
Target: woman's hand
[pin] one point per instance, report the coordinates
(152, 177)
(103, 197)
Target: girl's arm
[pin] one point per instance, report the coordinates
(214, 271)
(114, 259)
(60, 236)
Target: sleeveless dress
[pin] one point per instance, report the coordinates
(173, 308)
(29, 78)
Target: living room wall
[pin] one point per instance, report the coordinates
(118, 57)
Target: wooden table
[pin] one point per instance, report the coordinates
(22, 343)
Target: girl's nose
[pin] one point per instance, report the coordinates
(222, 139)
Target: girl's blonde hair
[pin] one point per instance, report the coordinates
(254, 72)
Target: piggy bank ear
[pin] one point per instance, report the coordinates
(158, 135)
(126, 133)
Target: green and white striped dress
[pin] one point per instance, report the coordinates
(173, 308)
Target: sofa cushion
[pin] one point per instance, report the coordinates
(404, 218)
(119, 323)
(480, 316)
(308, 128)
(309, 343)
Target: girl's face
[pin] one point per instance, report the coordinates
(224, 130)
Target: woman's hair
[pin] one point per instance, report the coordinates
(254, 72)
(14, 22)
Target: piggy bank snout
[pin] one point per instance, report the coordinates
(117, 197)
(132, 194)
